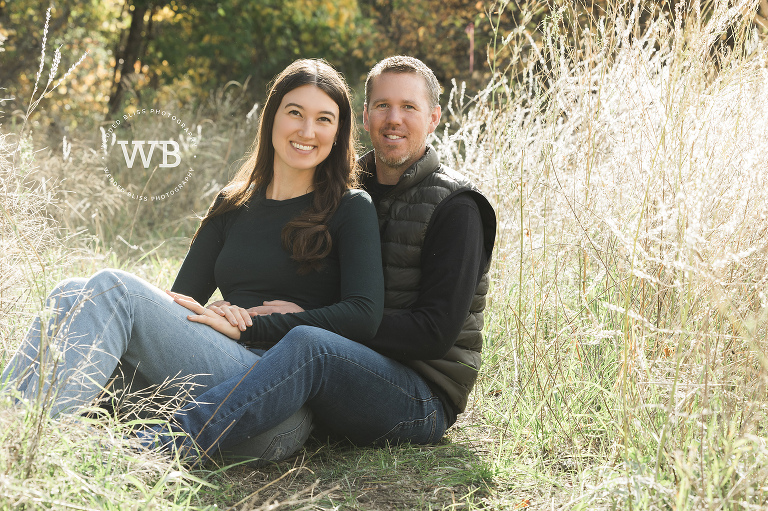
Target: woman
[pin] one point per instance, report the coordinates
(286, 228)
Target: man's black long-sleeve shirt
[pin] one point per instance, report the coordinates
(452, 263)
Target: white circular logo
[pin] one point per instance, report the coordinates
(149, 154)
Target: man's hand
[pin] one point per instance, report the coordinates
(274, 307)
(206, 316)
(237, 316)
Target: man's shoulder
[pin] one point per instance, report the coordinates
(445, 179)
(455, 176)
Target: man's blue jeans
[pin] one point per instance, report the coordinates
(92, 324)
(352, 391)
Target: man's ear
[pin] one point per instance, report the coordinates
(434, 119)
(365, 118)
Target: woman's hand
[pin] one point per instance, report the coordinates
(237, 316)
(274, 307)
(206, 316)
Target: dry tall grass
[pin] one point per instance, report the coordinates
(627, 332)
(73, 462)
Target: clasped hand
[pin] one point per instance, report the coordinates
(206, 316)
(230, 319)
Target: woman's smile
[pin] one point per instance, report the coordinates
(302, 147)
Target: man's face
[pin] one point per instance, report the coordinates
(399, 118)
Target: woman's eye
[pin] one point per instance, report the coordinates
(324, 119)
(294, 112)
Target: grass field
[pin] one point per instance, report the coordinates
(624, 365)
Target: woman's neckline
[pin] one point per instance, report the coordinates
(294, 187)
(281, 202)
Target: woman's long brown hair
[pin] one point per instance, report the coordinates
(306, 236)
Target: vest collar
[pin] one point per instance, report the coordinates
(425, 166)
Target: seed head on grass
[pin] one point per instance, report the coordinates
(35, 100)
(42, 51)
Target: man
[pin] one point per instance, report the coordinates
(437, 234)
(413, 378)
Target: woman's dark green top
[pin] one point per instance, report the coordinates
(241, 253)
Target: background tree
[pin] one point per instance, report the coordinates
(129, 49)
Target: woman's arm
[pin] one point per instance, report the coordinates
(358, 314)
(196, 275)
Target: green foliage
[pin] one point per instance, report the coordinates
(188, 49)
(192, 46)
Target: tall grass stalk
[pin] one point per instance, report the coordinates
(627, 158)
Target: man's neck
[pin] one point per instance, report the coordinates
(386, 175)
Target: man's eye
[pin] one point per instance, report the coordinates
(382, 106)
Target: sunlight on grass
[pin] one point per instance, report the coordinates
(624, 362)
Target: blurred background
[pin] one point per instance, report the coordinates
(142, 52)
(210, 63)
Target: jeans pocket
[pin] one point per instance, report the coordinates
(419, 431)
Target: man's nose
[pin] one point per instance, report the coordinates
(394, 116)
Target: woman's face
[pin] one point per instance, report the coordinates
(304, 129)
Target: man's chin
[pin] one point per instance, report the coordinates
(394, 162)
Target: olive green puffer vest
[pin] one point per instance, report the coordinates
(404, 215)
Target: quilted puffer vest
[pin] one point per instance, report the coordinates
(404, 215)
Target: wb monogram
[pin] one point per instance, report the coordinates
(147, 158)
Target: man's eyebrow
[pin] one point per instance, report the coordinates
(386, 100)
(326, 112)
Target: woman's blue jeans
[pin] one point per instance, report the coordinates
(93, 324)
(352, 391)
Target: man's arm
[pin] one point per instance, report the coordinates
(453, 259)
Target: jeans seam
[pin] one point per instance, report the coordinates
(431, 417)
(431, 438)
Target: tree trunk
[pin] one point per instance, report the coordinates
(125, 62)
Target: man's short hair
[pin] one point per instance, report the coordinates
(405, 64)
